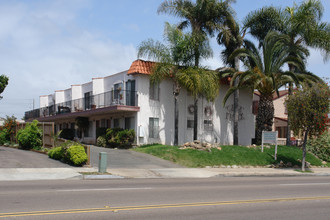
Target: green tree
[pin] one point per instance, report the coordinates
(3, 83)
(10, 126)
(173, 60)
(309, 108)
(82, 124)
(232, 38)
(265, 75)
(203, 17)
(301, 23)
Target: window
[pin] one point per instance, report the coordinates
(208, 125)
(190, 123)
(281, 131)
(129, 123)
(154, 91)
(153, 127)
(89, 131)
(116, 123)
(88, 100)
(118, 93)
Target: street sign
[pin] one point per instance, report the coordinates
(269, 137)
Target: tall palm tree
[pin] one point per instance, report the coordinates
(173, 62)
(265, 75)
(302, 24)
(203, 17)
(232, 38)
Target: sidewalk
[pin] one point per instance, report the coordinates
(14, 174)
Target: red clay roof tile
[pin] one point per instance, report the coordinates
(141, 67)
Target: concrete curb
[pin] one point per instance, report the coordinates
(77, 173)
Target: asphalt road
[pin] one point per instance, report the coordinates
(212, 198)
(15, 158)
(117, 158)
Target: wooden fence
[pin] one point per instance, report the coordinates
(47, 132)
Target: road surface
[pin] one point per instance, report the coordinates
(211, 198)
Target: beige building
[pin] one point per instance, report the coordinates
(280, 113)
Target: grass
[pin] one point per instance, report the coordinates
(229, 155)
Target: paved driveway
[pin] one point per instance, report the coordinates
(127, 159)
(15, 158)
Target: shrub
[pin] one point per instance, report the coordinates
(76, 155)
(30, 136)
(101, 141)
(111, 135)
(320, 147)
(67, 133)
(125, 138)
(56, 153)
(4, 136)
(117, 137)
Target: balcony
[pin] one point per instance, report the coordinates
(99, 101)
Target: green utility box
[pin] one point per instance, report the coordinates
(103, 162)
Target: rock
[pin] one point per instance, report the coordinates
(234, 166)
(208, 167)
(186, 144)
(197, 142)
(296, 166)
(289, 164)
(222, 166)
(228, 166)
(324, 162)
(307, 164)
(219, 148)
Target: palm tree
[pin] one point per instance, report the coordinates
(265, 75)
(173, 62)
(302, 24)
(203, 16)
(231, 37)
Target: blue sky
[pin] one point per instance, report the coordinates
(48, 45)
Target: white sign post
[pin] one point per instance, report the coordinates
(269, 137)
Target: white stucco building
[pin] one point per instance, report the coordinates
(128, 100)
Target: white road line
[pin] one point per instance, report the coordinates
(303, 184)
(102, 189)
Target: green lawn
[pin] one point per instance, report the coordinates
(229, 155)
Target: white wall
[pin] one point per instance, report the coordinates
(76, 92)
(59, 96)
(87, 87)
(67, 95)
(98, 85)
(164, 110)
(43, 100)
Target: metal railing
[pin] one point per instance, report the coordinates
(111, 98)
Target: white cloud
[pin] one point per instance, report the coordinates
(43, 49)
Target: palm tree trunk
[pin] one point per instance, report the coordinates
(236, 95)
(304, 150)
(288, 130)
(195, 118)
(176, 121)
(265, 116)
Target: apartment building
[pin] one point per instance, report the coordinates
(129, 100)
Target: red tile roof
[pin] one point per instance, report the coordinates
(141, 67)
(145, 67)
